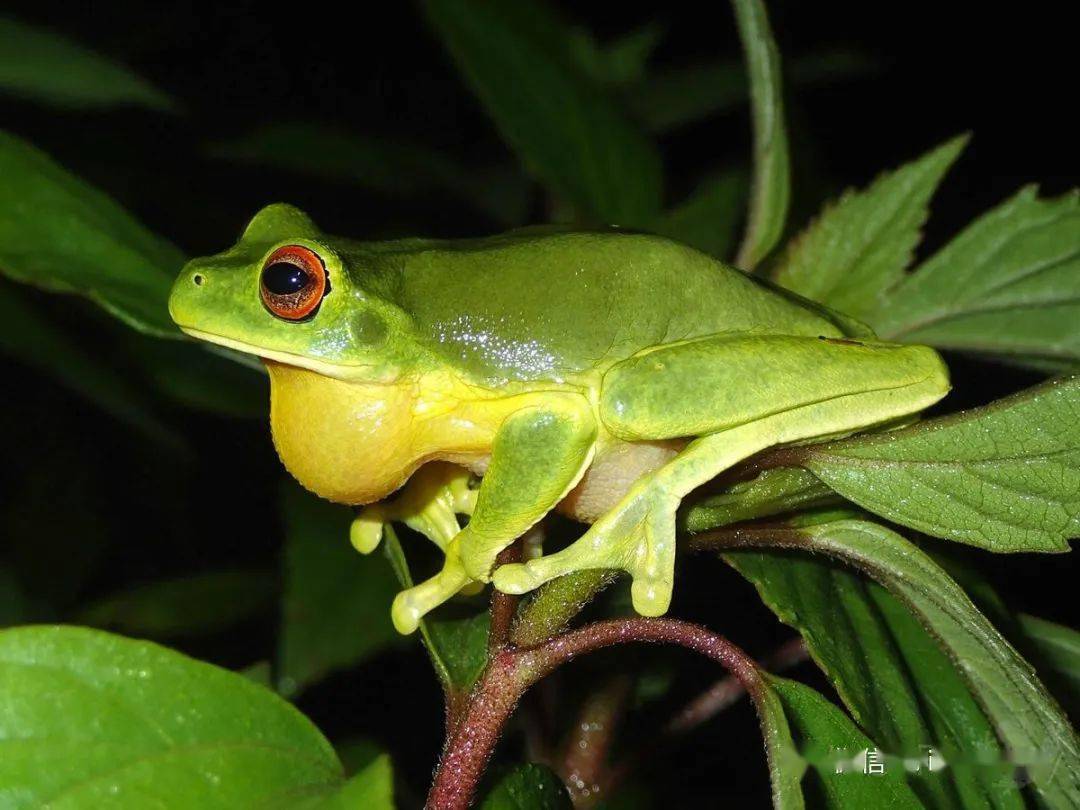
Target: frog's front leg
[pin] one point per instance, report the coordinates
(538, 455)
(429, 504)
(740, 394)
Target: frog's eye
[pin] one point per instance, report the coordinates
(293, 282)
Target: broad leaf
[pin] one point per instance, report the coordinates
(1032, 727)
(528, 787)
(457, 646)
(850, 640)
(859, 246)
(61, 234)
(381, 165)
(770, 193)
(709, 218)
(204, 603)
(336, 607)
(823, 735)
(46, 67)
(1005, 477)
(786, 767)
(1008, 285)
(565, 130)
(88, 719)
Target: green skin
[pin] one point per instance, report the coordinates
(617, 338)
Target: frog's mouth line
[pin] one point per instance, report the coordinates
(336, 370)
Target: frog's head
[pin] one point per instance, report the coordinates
(287, 292)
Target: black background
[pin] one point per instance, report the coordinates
(1005, 72)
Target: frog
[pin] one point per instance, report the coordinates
(472, 387)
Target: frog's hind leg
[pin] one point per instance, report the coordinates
(740, 394)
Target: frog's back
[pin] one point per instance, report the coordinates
(535, 305)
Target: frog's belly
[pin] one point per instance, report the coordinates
(615, 468)
(356, 443)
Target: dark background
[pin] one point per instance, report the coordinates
(1007, 73)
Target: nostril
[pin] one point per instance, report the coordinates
(198, 279)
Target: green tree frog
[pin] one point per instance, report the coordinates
(604, 374)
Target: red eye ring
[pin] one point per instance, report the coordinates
(292, 282)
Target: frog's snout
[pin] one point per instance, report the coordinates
(185, 294)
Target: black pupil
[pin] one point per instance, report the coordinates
(284, 278)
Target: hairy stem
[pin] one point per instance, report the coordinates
(511, 671)
(583, 766)
(727, 690)
(469, 744)
(503, 605)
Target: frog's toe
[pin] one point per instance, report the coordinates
(411, 605)
(653, 564)
(518, 578)
(640, 541)
(366, 530)
(651, 597)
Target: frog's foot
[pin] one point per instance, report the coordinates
(638, 537)
(429, 504)
(413, 604)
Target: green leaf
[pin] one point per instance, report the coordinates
(528, 787)
(29, 337)
(384, 166)
(1059, 647)
(1008, 285)
(774, 492)
(568, 132)
(371, 789)
(823, 734)
(1005, 477)
(850, 641)
(771, 188)
(90, 719)
(58, 233)
(42, 66)
(336, 607)
(204, 603)
(1029, 723)
(858, 247)
(456, 645)
(786, 767)
(709, 218)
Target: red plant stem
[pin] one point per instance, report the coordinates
(727, 690)
(503, 605)
(584, 758)
(598, 635)
(510, 672)
(470, 744)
